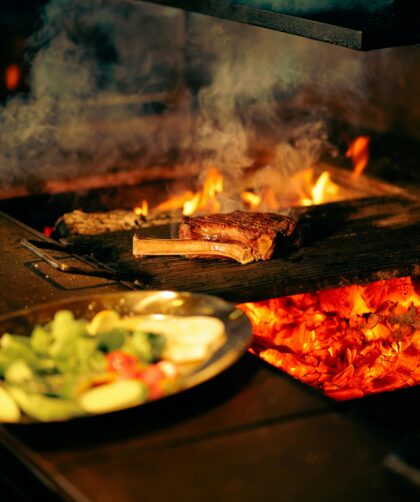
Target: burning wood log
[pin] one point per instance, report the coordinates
(192, 248)
(81, 223)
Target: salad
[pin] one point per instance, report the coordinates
(73, 367)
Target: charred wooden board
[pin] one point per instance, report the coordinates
(347, 242)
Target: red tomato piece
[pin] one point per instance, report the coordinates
(153, 376)
(123, 363)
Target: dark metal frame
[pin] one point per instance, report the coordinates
(391, 27)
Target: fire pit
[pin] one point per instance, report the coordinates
(348, 342)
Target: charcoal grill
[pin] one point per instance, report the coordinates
(375, 236)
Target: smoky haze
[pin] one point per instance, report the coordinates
(94, 64)
(231, 92)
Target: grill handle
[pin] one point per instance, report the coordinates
(38, 249)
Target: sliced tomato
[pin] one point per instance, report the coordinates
(123, 363)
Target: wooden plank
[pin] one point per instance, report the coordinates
(355, 241)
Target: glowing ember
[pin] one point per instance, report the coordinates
(12, 76)
(358, 152)
(347, 342)
(142, 210)
(47, 231)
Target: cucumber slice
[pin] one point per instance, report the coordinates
(44, 408)
(9, 410)
(113, 396)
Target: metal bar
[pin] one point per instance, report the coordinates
(371, 30)
(38, 249)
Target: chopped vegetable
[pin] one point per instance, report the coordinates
(45, 408)
(123, 363)
(9, 410)
(71, 367)
(113, 396)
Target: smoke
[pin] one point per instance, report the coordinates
(257, 96)
(254, 103)
(96, 68)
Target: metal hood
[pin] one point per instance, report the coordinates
(357, 24)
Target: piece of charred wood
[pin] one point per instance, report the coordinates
(82, 223)
(192, 248)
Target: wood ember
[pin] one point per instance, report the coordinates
(81, 223)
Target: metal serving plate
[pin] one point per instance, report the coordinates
(237, 325)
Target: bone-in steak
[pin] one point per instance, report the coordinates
(261, 232)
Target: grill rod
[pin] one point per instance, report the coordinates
(38, 248)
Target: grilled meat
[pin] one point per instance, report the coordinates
(260, 232)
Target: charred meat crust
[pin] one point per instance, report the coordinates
(261, 232)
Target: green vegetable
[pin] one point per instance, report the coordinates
(13, 348)
(18, 372)
(146, 346)
(45, 408)
(65, 329)
(114, 396)
(21, 374)
(112, 340)
(41, 340)
(69, 367)
(9, 410)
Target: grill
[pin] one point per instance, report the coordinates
(371, 236)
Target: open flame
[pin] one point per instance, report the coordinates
(143, 209)
(347, 342)
(358, 152)
(305, 188)
(267, 200)
(314, 191)
(206, 199)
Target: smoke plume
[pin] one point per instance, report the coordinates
(96, 68)
(107, 76)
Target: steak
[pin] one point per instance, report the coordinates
(261, 233)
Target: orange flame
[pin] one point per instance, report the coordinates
(142, 210)
(347, 342)
(358, 152)
(175, 202)
(206, 199)
(267, 200)
(251, 199)
(12, 76)
(314, 192)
